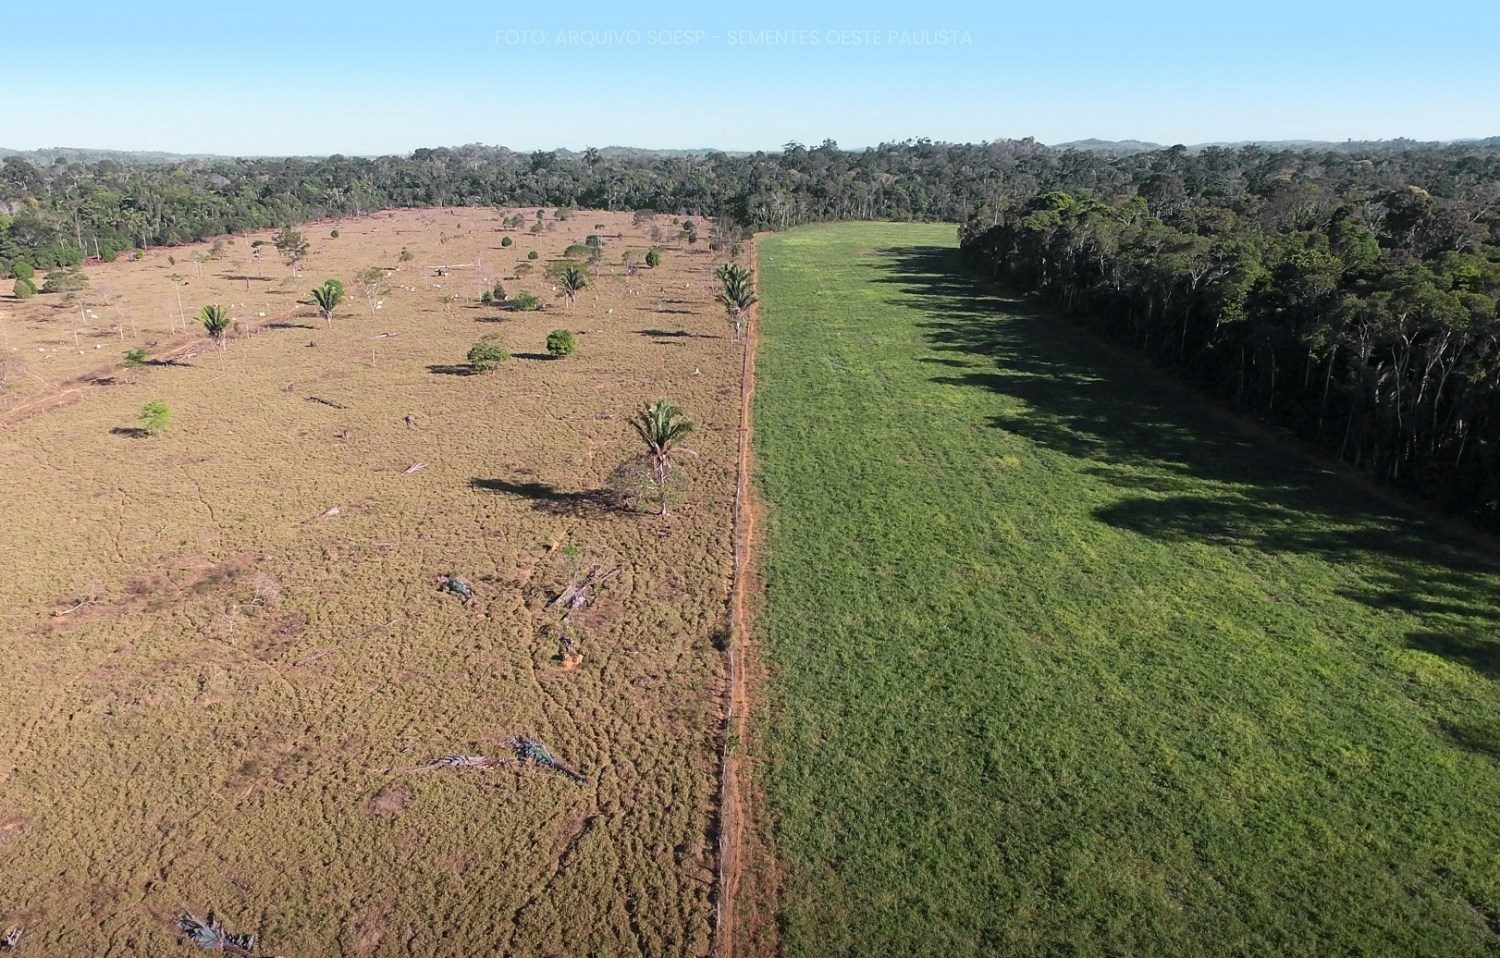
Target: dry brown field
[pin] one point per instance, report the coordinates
(218, 696)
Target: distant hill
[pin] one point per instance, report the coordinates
(1119, 147)
(1128, 147)
(75, 154)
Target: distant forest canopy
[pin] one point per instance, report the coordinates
(57, 213)
(1348, 291)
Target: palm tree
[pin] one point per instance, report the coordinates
(215, 320)
(573, 279)
(738, 294)
(328, 297)
(661, 426)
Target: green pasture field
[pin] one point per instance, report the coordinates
(1061, 661)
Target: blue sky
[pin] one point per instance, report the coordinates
(364, 78)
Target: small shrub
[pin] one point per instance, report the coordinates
(506, 241)
(488, 353)
(24, 289)
(653, 257)
(155, 417)
(334, 234)
(21, 269)
(526, 302)
(139, 254)
(65, 281)
(593, 241)
(576, 251)
(532, 255)
(406, 255)
(560, 343)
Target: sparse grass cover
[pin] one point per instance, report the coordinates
(217, 694)
(1062, 663)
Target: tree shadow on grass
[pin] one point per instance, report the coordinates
(550, 499)
(535, 357)
(1187, 474)
(130, 432)
(1479, 649)
(452, 369)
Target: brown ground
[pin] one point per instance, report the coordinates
(232, 719)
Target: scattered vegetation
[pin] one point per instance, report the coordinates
(661, 427)
(488, 353)
(328, 297)
(291, 245)
(560, 343)
(737, 295)
(155, 417)
(573, 280)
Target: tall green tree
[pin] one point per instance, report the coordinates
(661, 427)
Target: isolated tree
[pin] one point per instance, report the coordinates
(506, 241)
(738, 294)
(661, 427)
(526, 302)
(488, 353)
(291, 245)
(653, 258)
(215, 320)
(560, 343)
(573, 280)
(371, 282)
(328, 297)
(155, 417)
(133, 361)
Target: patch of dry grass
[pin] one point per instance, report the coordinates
(231, 718)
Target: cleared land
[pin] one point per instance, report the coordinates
(1060, 663)
(233, 717)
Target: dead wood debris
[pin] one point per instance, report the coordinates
(210, 935)
(580, 591)
(528, 750)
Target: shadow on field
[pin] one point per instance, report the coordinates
(1185, 474)
(130, 432)
(452, 369)
(545, 498)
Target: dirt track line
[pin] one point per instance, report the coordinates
(733, 798)
(72, 390)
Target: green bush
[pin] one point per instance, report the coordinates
(560, 343)
(488, 353)
(493, 297)
(506, 241)
(532, 255)
(653, 257)
(21, 269)
(155, 417)
(576, 251)
(526, 302)
(65, 281)
(24, 289)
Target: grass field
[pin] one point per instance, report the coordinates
(233, 718)
(1062, 663)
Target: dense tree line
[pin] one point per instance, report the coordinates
(1353, 300)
